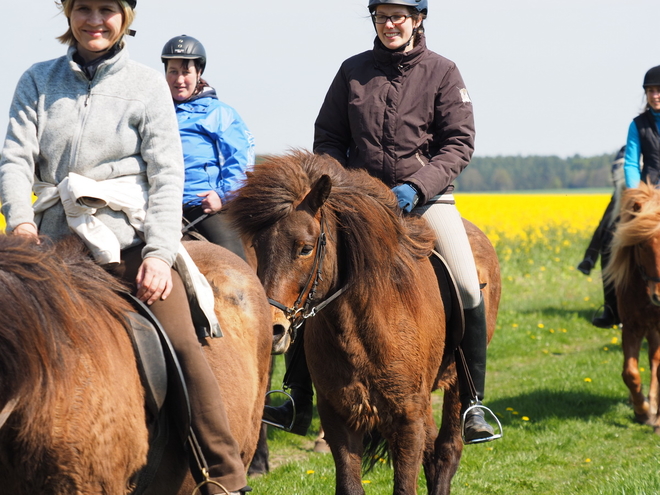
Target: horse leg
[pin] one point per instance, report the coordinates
(259, 464)
(407, 443)
(631, 347)
(346, 447)
(448, 445)
(428, 460)
(653, 339)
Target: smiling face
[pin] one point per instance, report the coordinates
(182, 78)
(653, 97)
(96, 25)
(392, 35)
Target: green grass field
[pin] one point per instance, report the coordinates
(553, 379)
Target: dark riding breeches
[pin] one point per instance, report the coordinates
(216, 228)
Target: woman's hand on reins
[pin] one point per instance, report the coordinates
(154, 280)
(211, 202)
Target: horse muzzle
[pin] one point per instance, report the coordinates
(281, 332)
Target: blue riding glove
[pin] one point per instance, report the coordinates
(407, 196)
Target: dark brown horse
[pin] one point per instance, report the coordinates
(72, 407)
(634, 269)
(332, 243)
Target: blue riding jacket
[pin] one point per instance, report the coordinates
(634, 151)
(218, 148)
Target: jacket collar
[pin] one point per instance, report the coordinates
(397, 58)
(110, 63)
(207, 92)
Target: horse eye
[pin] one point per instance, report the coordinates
(306, 250)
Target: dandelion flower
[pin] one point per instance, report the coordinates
(525, 418)
(587, 460)
(509, 408)
(541, 325)
(614, 340)
(310, 471)
(588, 380)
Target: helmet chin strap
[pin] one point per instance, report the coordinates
(414, 32)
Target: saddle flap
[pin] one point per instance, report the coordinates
(452, 302)
(150, 361)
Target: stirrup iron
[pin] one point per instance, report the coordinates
(476, 405)
(293, 404)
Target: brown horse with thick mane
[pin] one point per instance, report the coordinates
(634, 269)
(72, 405)
(332, 243)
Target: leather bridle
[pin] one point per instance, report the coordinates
(299, 312)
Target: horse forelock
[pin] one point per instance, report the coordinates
(56, 306)
(639, 222)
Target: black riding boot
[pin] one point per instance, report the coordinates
(589, 261)
(610, 316)
(474, 349)
(298, 380)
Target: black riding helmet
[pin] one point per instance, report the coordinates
(422, 6)
(185, 47)
(652, 77)
(131, 3)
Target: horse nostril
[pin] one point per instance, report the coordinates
(278, 330)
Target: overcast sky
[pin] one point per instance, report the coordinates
(546, 77)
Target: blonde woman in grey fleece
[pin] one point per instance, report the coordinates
(96, 114)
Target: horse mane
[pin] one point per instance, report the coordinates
(639, 221)
(57, 305)
(378, 244)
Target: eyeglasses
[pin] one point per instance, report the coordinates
(394, 19)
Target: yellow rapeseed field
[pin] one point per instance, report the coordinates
(531, 217)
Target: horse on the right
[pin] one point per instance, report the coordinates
(634, 269)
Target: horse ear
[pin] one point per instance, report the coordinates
(319, 194)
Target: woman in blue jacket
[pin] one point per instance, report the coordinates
(218, 148)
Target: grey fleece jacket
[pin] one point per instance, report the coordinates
(120, 123)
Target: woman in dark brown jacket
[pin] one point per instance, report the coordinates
(402, 112)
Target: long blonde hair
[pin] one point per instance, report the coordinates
(128, 16)
(639, 221)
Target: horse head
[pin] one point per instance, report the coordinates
(279, 212)
(293, 254)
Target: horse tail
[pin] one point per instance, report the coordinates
(376, 451)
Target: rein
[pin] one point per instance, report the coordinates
(298, 313)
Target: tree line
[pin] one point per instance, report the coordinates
(516, 173)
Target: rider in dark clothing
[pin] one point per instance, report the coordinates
(600, 246)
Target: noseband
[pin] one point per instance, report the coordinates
(298, 313)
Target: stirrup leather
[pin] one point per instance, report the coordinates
(293, 404)
(494, 436)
